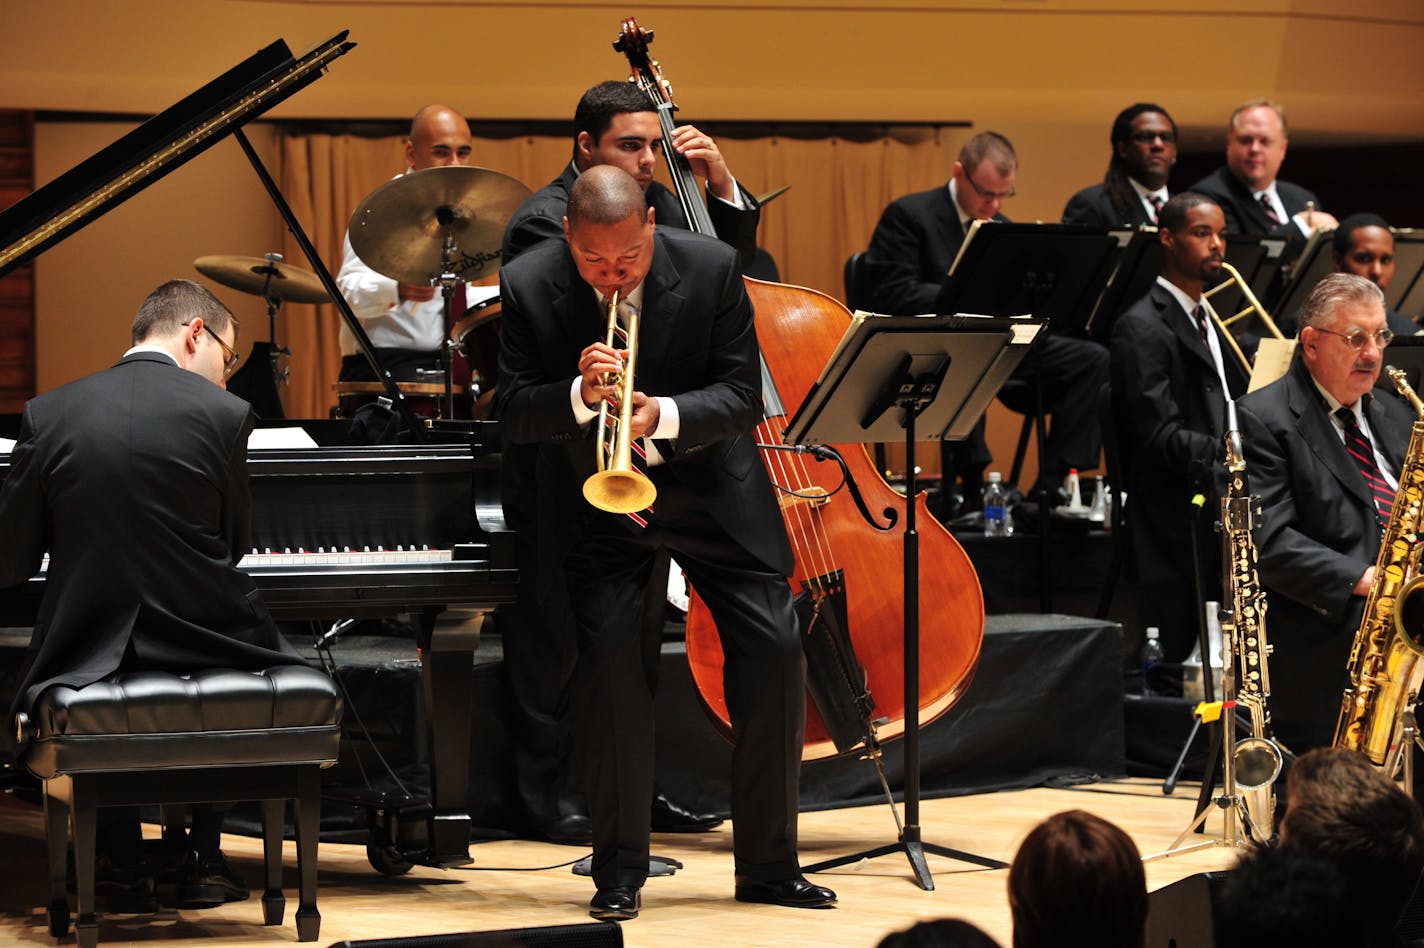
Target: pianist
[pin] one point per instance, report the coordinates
(134, 480)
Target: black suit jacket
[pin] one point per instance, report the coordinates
(697, 344)
(541, 216)
(1244, 215)
(911, 251)
(1092, 207)
(1170, 410)
(1317, 534)
(134, 480)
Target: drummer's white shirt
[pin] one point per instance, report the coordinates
(390, 322)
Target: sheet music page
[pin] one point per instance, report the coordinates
(6, 445)
(1273, 359)
(269, 438)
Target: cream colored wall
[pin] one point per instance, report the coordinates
(88, 286)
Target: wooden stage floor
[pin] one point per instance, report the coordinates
(507, 888)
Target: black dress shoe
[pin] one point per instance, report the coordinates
(668, 817)
(616, 904)
(795, 892)
(575, 829)
(125, 889)
(207, 881)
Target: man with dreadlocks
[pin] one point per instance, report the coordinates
(1144, 148)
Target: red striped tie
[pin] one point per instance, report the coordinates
(1269, 208)
(1364, 455)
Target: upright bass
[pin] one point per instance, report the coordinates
(846, 580)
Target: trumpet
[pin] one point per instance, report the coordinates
(1233, 276)
(618, 487)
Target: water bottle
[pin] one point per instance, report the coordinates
(1099, 513)
(996, 509)
(1151, 656)
(1074, 491)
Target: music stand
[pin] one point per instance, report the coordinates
(1138, 264)
(887, 373)
(1313, 264)
(1406, 291)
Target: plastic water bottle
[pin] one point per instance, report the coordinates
(1099, 513)
(1151, 656)
(996, 510)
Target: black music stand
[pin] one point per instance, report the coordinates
(1406, 291)
(887, 373)
(1138, 265)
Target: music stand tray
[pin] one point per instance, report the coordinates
(1055, 271)
(888, 372)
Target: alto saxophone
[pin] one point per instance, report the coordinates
(1384, 668)
(1256, 759)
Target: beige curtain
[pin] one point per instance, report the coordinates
(838, 189)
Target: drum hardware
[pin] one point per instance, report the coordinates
(268, 277)
(438, 227)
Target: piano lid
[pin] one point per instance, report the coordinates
(158, 146)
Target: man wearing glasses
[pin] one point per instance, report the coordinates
(1144, 149)
(910, 254)
(1324, 455)
(134, 481)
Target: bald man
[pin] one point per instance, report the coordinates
(406, 323)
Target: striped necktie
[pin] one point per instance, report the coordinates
(1364, 456)
(1269, 208)
(1156, 201)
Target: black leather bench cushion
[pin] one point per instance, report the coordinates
(159, 720)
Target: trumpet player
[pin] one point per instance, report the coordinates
(696, 399)
(1169, 382)
(1324, 456)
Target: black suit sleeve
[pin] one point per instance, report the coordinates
(736, 227)
(22, 509)
(528, 229)
(1141, 365)
(529, 408)
(1292, 562)
(1083, 210)
(896, 248)
(237, 497)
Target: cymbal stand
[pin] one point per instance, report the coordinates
(274, 303)
(447, 281)
(1237, 828)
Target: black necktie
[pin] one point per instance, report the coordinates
(1269, 208)
(1199, 314)
(1156, 201)
(1364, 455)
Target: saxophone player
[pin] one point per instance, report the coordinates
(1324, 455)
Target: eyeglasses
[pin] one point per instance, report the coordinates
(985, 193)
(1356, 337)
(1146, 137)
(230, 355)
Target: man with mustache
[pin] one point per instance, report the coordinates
(1171, 376)
(1144, 143)
(1324, 456)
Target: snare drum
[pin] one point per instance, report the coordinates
(476, 334)
(426, 399)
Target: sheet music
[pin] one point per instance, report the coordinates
(269, 438)
(6, 445)
(1273, 359)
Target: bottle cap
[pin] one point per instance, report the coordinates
(995, 477)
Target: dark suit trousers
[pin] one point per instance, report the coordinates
(1071, 371)
(764, 677)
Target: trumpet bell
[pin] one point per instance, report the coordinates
(619, 491)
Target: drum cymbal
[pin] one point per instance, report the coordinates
(262, 277)
(400, 229)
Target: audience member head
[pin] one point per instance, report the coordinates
(1144, 144)
(939, 933)
(439, 136)
(1364, 245)
(1286, 896)
(984, 175)
(1342, 336)
(1192, 231)
(1256, 142)
(185, 320)
(609, 229)
(1077, 880)
(1346, 810)
(615, 124)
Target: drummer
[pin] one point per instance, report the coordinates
(406, 324)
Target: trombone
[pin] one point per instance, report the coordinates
(618, 487)
(1253, 306)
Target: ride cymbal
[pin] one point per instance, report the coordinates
(401, 228)
(263, 277)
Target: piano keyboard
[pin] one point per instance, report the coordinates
(322, 556)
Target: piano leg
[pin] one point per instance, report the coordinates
(447, 662)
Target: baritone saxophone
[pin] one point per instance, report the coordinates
(1384, 669)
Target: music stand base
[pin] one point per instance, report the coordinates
(914, 850)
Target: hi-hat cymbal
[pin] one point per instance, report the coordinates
(400, 229)
(264, 277)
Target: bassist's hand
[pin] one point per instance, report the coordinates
(706, 160)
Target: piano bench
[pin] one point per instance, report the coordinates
(159, 738)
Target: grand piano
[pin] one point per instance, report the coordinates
(412, 529)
